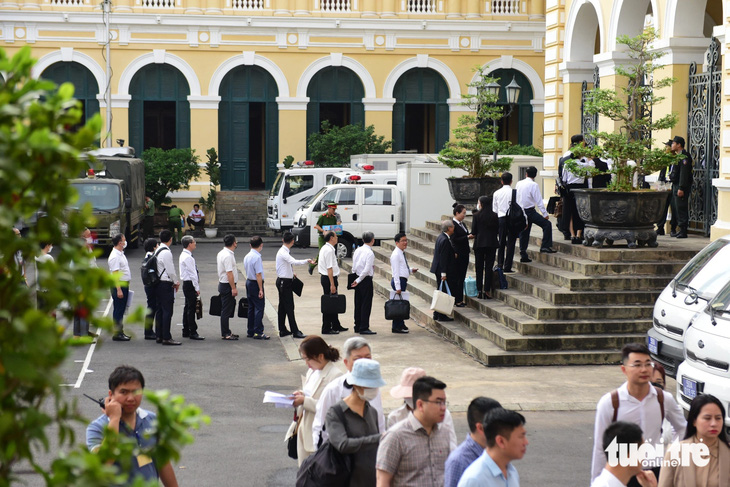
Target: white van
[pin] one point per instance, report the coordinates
(362, 207)
(688, 293)
(706, 366)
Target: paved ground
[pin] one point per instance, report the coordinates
(244, 443)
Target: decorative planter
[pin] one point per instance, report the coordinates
(611, 216)
(466, 191)
(211, 232)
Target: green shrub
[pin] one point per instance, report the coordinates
(166, 171)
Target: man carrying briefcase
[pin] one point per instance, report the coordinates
(328, 271)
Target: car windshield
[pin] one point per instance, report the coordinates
(706, 272)
(277, 184)
(102, 196)
(721, 302)
(314, 198)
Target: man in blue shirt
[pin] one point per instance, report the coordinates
(506, 441)
(254, 267)
(123, 415)
(475, 442)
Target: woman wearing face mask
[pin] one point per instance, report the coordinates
(705, 424)
(353, 424)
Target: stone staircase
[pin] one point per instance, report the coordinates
(242, 213)
(578, 306)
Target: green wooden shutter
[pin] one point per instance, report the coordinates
(272, 142)
(183, 124)
(442, 125)
(239, 144)
(136, 125)
(525, 126)
(224, 141)
(399, 136)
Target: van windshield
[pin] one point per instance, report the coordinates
(102, 196)
(314, 198)
(277, 184)
(722, 300)
(706, 273)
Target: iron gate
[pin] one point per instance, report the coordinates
(703, 140)
(588, 122)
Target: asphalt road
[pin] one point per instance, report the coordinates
(244, 444)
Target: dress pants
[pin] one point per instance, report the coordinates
(484, 261)
(507, 241)
(663, 219)
(198, 225)
(547, 231)
(363, 304)
(255, 308)
(175, 226)
(228, 302)
(81, 326)
(165, 303)
(680, 210)
(399, 324)
(190, 327)
(149, 226)
(570, 211)
(149, 319)
(329, 322)
(119, 306)
(286, 304)
(461, 266)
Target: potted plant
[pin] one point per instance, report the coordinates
(474, 146)
(624, 210)
(213, 170)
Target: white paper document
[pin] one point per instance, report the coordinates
(279, 400)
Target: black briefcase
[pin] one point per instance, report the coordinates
(351, 277)
(333, 304)
(297, 286)
(215, 305)
(397, 309)
(243, 308)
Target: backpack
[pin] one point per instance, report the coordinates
(516, 221)
(150, 277)
(615, 402)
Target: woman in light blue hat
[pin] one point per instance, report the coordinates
(352, 423)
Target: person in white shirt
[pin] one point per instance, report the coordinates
(118, 264)
(501, 203)
(530, 200)
(196, 218)
(363, 265)
(639, 402)
(191, 288)
(166, 289)
(227, 281)
(571, 219)
(400, 270)
(328, 272)
(354, 349)
(254, 268)
(284, 279)
(623, 433)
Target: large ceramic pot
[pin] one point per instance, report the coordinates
(466, 191)
(611, 216)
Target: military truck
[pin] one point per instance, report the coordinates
(115, 188)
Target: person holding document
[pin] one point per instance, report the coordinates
(284, 279)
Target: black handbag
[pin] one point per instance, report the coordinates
(326, 467)
(397, 308)
(351, 277)
(333, 304)
(243, 308)
(199, 308)
(215, 305)
(297, 286)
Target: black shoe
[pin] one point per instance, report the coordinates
(445, 318)
(330, 332)
(121, 337)
(508, 271)
(186, 335)
(341, 328)
(673, 233)
(660, 231)
(576, 240)
(196, 337)
(299, 334)
(548, 250)
(159, 340)
(150, 337)
(368, 332)
(284, 333)
(525, 260)
(311, 269)
(682, 235)
(400, 331)
(480, 295)
(171, 342)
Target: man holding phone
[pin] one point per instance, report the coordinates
(123, 415)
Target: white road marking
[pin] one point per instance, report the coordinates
(85, 368)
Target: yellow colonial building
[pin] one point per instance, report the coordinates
(581, 49)
(254, 77)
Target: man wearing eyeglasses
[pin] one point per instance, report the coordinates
(636, 401)
(413, 452)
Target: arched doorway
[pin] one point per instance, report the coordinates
(86, 88)
(248, 129)
(420, 112)
(159, 111)
(335, 94)
(517, 127)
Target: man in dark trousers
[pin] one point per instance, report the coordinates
(191, 287)
(443, 261)
(329, 270)
(166, 289)
(663, 179)
(284, 280)
(363, 266)
(681, 177)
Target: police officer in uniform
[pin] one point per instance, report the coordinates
(681, 178)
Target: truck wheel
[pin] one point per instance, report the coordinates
(344, 249)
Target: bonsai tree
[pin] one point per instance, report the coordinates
(213, 170)
(333, 145)
(170, 170)
(475, 138)
(630, 146)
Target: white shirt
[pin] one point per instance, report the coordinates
(645, 413)
(284, 263)
(501, 200)
(607, 479)
(165, 265)
(335, 391)
(570, 178)
(399, 267)
(327, 260)
(226, 261)
(398, 415)
(197, 215)
(528, 196)
(188, 269)
(362, 263)
(118, 263)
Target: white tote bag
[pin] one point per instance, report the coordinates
(442, 302)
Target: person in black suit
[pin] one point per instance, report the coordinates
(485, 230)
(460, 240)
(443, 262)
